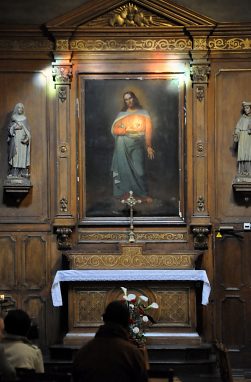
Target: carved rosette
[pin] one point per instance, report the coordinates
(64, 237)
(201, 237)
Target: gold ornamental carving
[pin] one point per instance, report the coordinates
(30, 45)
(172, 44)
(62, 45)
(129, 16)
(148, 236)
(131, 261)
(200, 44)
(229, 44)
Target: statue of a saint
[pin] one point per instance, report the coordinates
(19, 138)
(242, 137)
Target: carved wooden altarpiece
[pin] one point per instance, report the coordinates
(139, 43)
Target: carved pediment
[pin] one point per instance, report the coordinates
(124, 15)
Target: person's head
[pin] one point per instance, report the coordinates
(246, 106)
(17, 322)
(130, 101)
(117, 312)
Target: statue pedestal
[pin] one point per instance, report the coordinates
(242, 186)
(17, 187)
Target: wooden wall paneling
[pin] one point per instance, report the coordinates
(227, 208)
(231, 336)
(36, 307)
(8, 262)
(28, 86)
(34, 262)
(232, 295)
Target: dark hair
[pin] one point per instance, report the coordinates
(117, 312)
(17, 322)
(135, 99)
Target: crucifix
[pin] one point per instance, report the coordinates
(131, 202)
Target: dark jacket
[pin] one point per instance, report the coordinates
(110, 357)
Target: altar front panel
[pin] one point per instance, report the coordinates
(175, 319)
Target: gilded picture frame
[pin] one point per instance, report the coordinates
(162, 98)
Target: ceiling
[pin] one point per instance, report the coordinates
(39, 12)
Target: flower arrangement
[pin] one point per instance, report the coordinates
(139, 318)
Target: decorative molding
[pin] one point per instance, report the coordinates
(174, 306)
(200, 237)
(200, 93)
(28, 45)
(62, 93)
(64, 205)
(200, 72)
(62, 45)
(229, 43)
(201, 204)
(123, 237)
(64, 237)
(133, 261)
(62, 74)
(200, 43)
(200, 148)
(127, 45)
(129, 16)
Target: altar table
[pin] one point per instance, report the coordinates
(129, 275)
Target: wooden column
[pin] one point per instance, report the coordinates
(200, 70)
(64, 216)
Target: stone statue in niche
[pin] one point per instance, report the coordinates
(19, 140)
(242, 142)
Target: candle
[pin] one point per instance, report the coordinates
(1, 297)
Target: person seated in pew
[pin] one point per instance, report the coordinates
(7, 371)
(110, 356)
(20, 352)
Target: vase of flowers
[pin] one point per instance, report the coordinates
(140, 319)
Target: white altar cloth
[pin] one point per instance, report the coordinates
(129, 275)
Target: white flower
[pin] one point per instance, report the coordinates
(143, 298)
(135, 330)
(124, 291)
(153, 305)
(145, 319)
(131, 297)
(131, 306)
